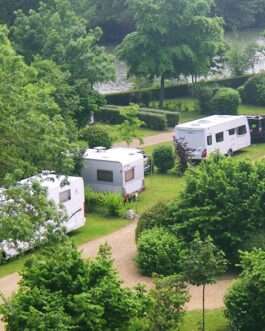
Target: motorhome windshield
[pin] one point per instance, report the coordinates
(193, 138)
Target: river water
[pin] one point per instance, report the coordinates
(241, 39)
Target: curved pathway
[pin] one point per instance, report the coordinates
(123, 251)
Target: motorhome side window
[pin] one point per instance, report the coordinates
(209, 140)
(231, 132)
(129, 175)
(241, 130)
(105, 176)
(219, 137)
(65, 196)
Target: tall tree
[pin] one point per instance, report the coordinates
(33, 133)
(202, 264)
(54, 31)
(172, 37)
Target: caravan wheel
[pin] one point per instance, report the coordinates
(230, 152)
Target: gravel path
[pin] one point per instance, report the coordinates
(150, 140)
(123, 250)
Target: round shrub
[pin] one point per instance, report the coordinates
(158, 252)
(164, 158)
(153, 217)
(204, 94)
(95, 136)
(225, 102)
(253, 91)
(245, 304)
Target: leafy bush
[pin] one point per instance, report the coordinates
(153, 217)
(154, 121)
(223, 198)
(158, 252)
(95, 135)
(109, 114)
(164, 158)
(204, 94)
(110, 204)
(171, 117)
(113, 204)
(253, 91)
(245, 304)
(225, 102)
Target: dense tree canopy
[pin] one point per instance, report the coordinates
(33, 133)
(172, 37)
(59, 291)
(245, 301)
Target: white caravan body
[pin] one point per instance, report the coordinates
(225, 134)
(118, 170)
(67, 193)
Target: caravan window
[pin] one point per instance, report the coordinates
(105, 176)
(129, 175)
(241, 130)
(65, 196)
(209, 140)
(231, 132)
(219, 137)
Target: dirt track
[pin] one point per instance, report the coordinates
(123, 251)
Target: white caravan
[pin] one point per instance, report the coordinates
(118, 170)
(225, 134)
(68, 195)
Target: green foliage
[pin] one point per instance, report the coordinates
(170, 295)
(245, 300)
(109, 204)
(154, 121)
(164, 158)
(24, 212)
(220, 194)
(84, 295)
(129, 129)
(225, 101)
(34, 136)
(54, 31)
(172, 117)
(203, 262)
(153, 217)
(155, 50)
(158, 251)
(96, 135)
(204, 94)
(253, 91)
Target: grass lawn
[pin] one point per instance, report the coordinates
(158, 188)
(95, 227)
(215, 321)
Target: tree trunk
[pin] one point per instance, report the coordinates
(162, 91)
(203, 308)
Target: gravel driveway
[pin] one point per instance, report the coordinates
(123, 250)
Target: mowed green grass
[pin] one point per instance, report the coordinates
(95, 227)
(215, 321)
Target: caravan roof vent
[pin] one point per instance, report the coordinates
(100, 149)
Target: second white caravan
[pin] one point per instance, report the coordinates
(225, 134)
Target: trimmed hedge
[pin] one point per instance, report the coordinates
(183, 90)
(154, 121)
(171, 116)
(225, 102)
(253, 91)
(111, 115)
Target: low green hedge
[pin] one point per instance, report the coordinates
(109, 114)
(154, 121)
(172, 117)
(144, 96)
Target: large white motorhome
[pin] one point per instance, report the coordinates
(225, 134)
(66, 192)
(118, 170)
